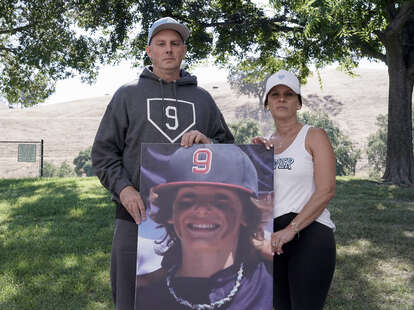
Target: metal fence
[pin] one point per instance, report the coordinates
(21, 159)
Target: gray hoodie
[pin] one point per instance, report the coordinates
(150, 110)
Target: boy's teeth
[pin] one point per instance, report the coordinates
(203, 226)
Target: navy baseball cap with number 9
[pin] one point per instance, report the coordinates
(211, 164)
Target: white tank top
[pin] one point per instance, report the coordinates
(294, 181)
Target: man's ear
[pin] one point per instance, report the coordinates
(148, 50)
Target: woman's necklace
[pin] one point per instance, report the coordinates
(278, 141)
(214, 305)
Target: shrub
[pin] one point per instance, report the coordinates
(377, 146)
(49, 170)
(345, 153)
(244, 131)
(64, 170)
(83, 163)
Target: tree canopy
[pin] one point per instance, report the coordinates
(43, 41)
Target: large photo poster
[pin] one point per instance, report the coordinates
(209, 218)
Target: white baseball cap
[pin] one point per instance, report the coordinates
(168, 23)
(282, 77)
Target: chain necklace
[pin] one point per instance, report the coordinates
(279, 142)
(214, 305)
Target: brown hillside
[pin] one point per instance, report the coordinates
(67, 128)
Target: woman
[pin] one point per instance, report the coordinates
(304, 180)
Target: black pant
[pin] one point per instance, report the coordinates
(303, 273)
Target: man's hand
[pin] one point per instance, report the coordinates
(132, 201)
(194, 137)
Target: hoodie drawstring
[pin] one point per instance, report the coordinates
(175, 96)
(163, 105)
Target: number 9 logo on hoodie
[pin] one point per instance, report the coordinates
(170, 117)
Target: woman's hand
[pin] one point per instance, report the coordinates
(265, 249)
(262, 140)
(282, 237)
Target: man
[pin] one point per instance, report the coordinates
(166, 106)
(209, 209)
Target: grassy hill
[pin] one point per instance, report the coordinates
(67, 128)
(55, 240)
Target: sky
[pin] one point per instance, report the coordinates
(111, 78)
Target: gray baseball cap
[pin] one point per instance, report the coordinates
(168, 23)
(211, 164)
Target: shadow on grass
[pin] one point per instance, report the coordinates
(56, 242)
(375, 243)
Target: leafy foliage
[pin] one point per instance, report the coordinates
(49, 170)
(64, 170)
(83, 163)
(345, 153)
(377, 146)
(44, 41)
(244, 131)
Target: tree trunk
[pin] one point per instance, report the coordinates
(399, 168)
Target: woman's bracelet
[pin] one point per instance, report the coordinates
(294, 225)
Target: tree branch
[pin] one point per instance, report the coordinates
(273, 22)
(398, 21)
(372, 52)
(7, 49)
(381, 36)
(390, 10)
(375, 54)
(15, 30)
(366, 48)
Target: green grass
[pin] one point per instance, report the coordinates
(375, 246)
(55, 240)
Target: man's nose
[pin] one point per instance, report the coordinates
(168, 48)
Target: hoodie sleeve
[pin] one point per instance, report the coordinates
(218, 131)
(109, 145)
(222, 133)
